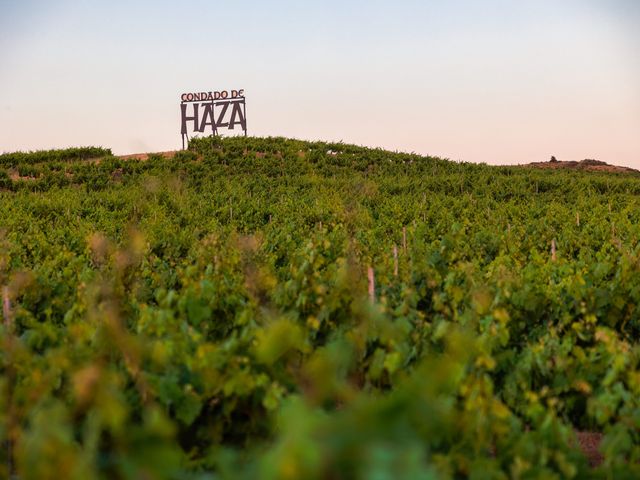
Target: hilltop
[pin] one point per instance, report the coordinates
(584, 165)
(259, 148)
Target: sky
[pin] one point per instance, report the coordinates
(495, 81)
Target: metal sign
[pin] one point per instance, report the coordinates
(212, 111)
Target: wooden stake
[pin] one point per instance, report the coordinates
(6, 308)
(10, 374)
(578, 219)
(372, 285)
(395, 260)
(404, 240)
(553, 250)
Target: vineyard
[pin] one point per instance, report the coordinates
(277, 309)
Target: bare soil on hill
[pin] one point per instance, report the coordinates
(584, 165)
(145, 156)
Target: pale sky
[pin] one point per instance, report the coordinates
(496, 81)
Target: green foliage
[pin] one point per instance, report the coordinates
(16, 159)
(209, 316)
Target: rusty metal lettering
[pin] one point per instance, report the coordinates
(208, 118)
(185, 118)
(225, 107)
(237, 112)
(210, 112)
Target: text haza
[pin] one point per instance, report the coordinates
(214, 115)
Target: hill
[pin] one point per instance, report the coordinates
(272, 308)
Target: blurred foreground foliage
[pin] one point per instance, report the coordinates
(210, 316)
